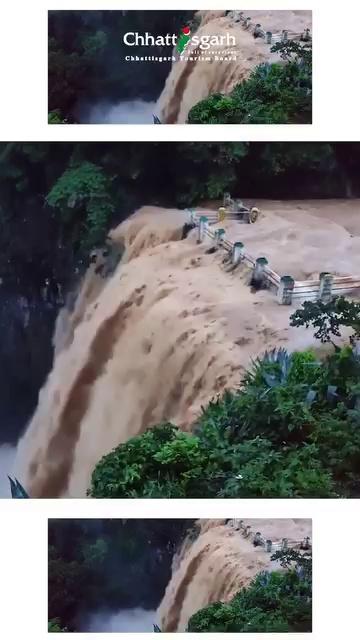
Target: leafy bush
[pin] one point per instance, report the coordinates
(186, 466)
(328, 317)
(83, 192)
(54, 626)
(273, 602)
(163, 462)
(273, 94)
(55, 117)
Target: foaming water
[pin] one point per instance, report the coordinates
(7, 458)
(167, 330)
(126, 620)
(127, 112)
(217, 565)
(192, 80)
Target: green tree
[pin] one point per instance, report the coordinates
(328, 317)
(83, 194)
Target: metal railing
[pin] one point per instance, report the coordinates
(285, 287)
(258, 540)
(270, 38)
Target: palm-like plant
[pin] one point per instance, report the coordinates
(272, 368)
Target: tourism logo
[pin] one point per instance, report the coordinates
(185, 45)
(183, 39)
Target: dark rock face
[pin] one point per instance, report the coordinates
(26, 328)
(33, 261)
(134, 569)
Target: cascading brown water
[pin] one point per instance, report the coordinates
(218, 564)
(192, 80)
(153, 340)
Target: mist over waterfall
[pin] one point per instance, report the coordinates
(126, 112)
(7, 457)
(126, 620)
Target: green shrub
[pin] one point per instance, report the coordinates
(273, 94)
(54, 626)
(82, 193)
(291, 430)
(163, 462)
(55, 117)
(273, 602)
(187, 466)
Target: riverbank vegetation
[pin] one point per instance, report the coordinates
(276, 602)
(278, 93)
(290, 431)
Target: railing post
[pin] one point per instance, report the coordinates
(326, 280)
(285, 290)
(257, 539)
(268, 546)
(259, 277)
(305, 544)
(237, 252)
(284, 36)
(191, 216)
(219, 236)
(284, 544)
(257, 30)
(201, 228)
(268, 37)
(221, 214)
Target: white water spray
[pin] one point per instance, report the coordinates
(128, 112)
(126, 620)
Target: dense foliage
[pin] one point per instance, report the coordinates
(278, 93)
(108, 565)
(291, 430)
(274, 602)
(83, 192)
